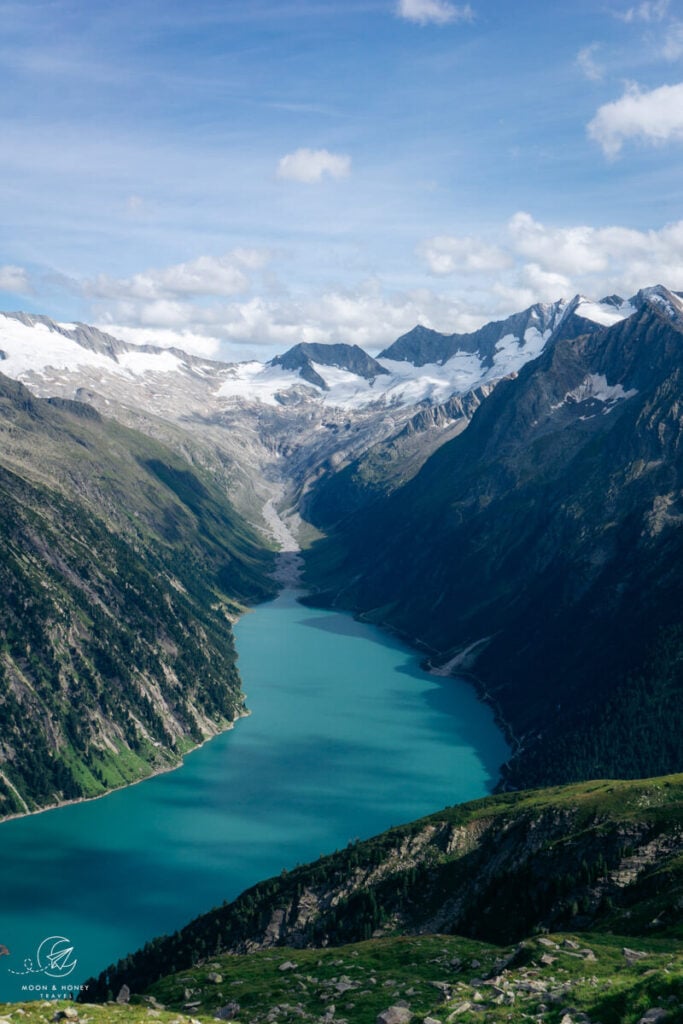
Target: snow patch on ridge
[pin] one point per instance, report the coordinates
(595, 386)
(603, 313)
(36, 348)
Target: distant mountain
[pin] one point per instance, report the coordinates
(423, 345)
(351, 358)
(122, 566)
(528, 331)
(542, 550)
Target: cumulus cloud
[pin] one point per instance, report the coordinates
(564, 250)
(261, 325)
(538, 262)
(15, 279)
(587, 64)
(472, 281)
(654, 117)
(205, 276)
(312, 165)
(438, 12)
(446, 254)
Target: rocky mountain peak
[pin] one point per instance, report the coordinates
(351, 358)
(662, 300)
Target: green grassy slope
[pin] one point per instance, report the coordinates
(608, 980)
(599, 856)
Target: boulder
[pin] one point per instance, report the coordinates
(124, 995)
(395, 1015)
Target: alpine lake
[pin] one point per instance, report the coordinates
(347, 736)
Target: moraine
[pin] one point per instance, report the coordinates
(347, 736)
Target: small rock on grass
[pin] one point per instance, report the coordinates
(395, 1015)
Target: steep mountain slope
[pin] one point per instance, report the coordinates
(600, 855)
(121, 569)
(542, 549)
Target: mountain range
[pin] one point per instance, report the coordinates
(509, 500)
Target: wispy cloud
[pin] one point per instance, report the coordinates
(587, 64)
(445, 255)
(438, 12)
(673, 41)
(15, 279)
(310, 166)
(648, 10)
(222, 307)
(653, 117)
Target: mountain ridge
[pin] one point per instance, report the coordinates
(544, 529)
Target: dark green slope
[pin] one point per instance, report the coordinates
(120, 571)
(605, 856)
(548, 534)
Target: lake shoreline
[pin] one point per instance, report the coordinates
(125, 785)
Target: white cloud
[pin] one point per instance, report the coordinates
(649, 10)
(546, 285)
(15, 279)
(446, 254)
(654, 117)
(538, 262)
(311, 165)
(439, 12)
(262, 325)
(561, 250)
(530, 262)
(587, 64)
(205, 276)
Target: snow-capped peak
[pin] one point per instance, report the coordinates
(667, 302)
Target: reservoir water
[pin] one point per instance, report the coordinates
(347, 736)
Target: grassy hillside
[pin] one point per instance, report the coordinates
(603, 856)
(122, 567)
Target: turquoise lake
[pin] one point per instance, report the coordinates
(347, 736)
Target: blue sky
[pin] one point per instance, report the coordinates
(239, 176)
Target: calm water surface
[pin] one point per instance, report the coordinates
(347, 736)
